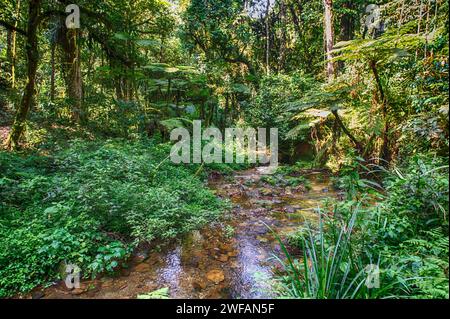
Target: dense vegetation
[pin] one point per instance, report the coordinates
(84, 202)
(86, 114)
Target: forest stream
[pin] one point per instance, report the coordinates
(230, 259)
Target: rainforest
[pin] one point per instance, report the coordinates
(95, 95)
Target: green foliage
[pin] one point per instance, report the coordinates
(148, 66)
(69, 207)
(328, 269)
(270, 106)
(162, 293)
(109, 258)
(406, 235)
(287, 176)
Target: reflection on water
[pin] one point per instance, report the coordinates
(253, 281)
(172, 271)
(212, 263)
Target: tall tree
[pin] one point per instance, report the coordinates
(32, 54)
(267, 37)
(68, 41)
(328, 36)
(12, 45)
(330, 71)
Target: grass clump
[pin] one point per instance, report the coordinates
(404, 238)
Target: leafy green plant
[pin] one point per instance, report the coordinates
(109, 257)
(162, 293)
(405, 236)
(72, 205)
(328, 270)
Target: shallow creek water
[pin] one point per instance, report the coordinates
(230, 259)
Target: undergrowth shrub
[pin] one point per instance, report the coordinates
(90, 204)
(405, 234)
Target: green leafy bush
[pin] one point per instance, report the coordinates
(72, 205)
(405, 235)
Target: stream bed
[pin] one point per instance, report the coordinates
(233, 258)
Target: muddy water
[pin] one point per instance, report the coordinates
(230, 259)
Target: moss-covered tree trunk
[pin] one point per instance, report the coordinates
(72, 72)
(32, 54)
(330, 70)
(329, 35)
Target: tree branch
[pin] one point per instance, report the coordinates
(9, 26)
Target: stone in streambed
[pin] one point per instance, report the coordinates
(140, 256)
(262, 239)
(37, 295)
(125, 272)
(107, 282)
(143, 267)
(266, 191)
(216, 276)
(225, 247)
(77, 291)
(289, 209)
(223, 258)
(199, 285)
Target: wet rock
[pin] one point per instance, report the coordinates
(153, 259)
(300, 189)
(266, 191)
(215, 176)
(77, 291)
(37, 295)
(289, 209)
(140, 256)
(202, 266)
(125, 272)
(225, 248)
(261, 230)
(225, 292)
(223, 258)
(253, 193)
(150, 285)
(142, 267)
(214, 295)
(107, 282)
(123, 286)
(264, 203)
(193, 262)
(216, 276)
(199, 285)
(262, 239)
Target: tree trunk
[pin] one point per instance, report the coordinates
(72, 72)
(9, 51)
(329, 36)
(347, 23)
(32, 64)
(12, 42)
(339, 122)
(283, 39)
(385, 154)
(296, 21)
(52, 76)
(267, 39)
